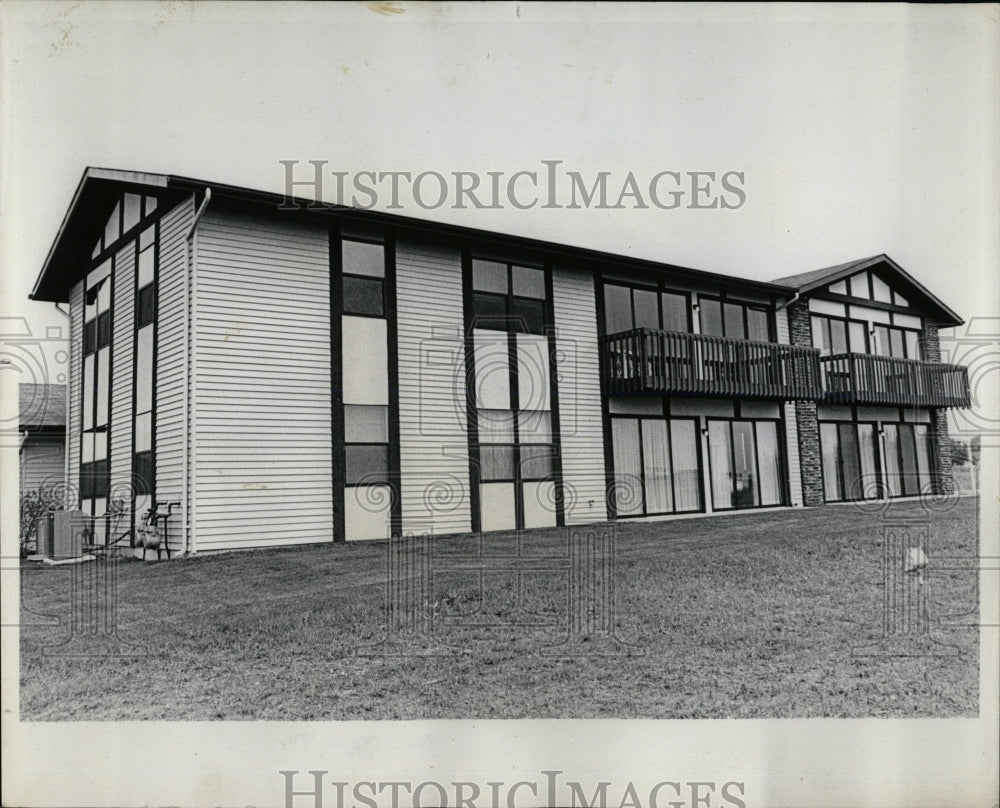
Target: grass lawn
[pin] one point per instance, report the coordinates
(750, 615)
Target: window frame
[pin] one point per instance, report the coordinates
(357, 276)
(511, 319)
(667, 420)
(723, 300)
(659, 289)
(847, 321)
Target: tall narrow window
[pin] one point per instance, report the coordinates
(513, 423)
(143, 457)
(364, 337)
(94, 470)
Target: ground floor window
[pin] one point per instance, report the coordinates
(745, 464)
(657, 468)
(907, 459)
(853, 452)
(850, 461)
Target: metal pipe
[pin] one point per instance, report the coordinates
(66, 429)
(189, 324)
(787, 303)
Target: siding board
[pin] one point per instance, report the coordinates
(75, 389)
(578, 367)
(264, 474)
(123, 331)
(434, 451)
(171, 375)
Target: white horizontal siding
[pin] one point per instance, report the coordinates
(578, 369)
(263, 471)
(434, 449)
(171, 374)
(42, 463)
(75, 390)
(122, 366)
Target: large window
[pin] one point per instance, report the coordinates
(656, 465)
(734, 319)
(838, 335)
(850, 458)
(745, 464)
(508, 297)
(629, 307)
(901, 343)
(850, 461)
(513, 403)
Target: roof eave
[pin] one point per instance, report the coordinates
(91, 174)
(949, 318)
(461, 231)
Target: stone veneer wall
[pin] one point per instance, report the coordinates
(810, 461)
(944, 480)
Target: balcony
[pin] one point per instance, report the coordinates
(646, 360)
(866, 379)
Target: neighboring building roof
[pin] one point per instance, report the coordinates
(41, 406)
(806, 282)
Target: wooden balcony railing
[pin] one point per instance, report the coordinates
(646, 360)
(866, 379)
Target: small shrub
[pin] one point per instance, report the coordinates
(34, 504)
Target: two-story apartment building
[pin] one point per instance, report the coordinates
(294, 372)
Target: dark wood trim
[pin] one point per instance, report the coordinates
(338, 460)
(471, 414)
(392, 362)
(605, 372)
(835, 297)
(550, 333)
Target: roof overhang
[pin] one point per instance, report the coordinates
(99, 189)
(915, 292)
(413, 225)
(92, 202)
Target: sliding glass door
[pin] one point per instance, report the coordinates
(744, 464)
(656, 466)
(851, 463)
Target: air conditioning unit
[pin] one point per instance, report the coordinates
(61, 534)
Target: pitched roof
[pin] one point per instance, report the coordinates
(100, 188)
(41, 405)
(804, 281)
(916, 292)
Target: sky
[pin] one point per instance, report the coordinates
(857, 129)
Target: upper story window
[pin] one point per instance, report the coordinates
(128, 211)
(97, 309)
(868, 286)
(508, 297)
(629, 307)
(839, 335)
(364, 278)
(901, 343)
(735, 319)
(96, 390)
